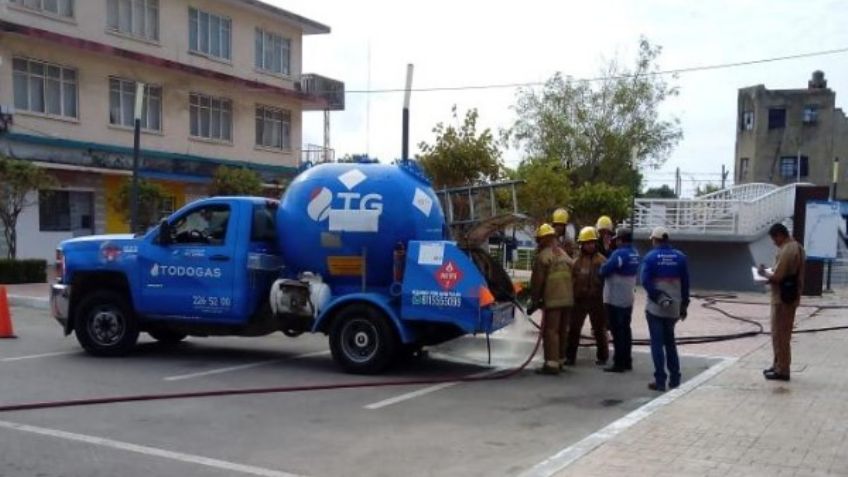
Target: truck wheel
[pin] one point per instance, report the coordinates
(166, 336)
(362, 340)
(105, 324)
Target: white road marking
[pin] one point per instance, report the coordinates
(565, 457)
(427, 390)
(239, 367)
(35, 356)
(145, 450)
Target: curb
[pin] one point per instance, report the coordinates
(29, 302)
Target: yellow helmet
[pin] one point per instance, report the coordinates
(587, 234)
(560, 217)
(604, 223)
(545, 230)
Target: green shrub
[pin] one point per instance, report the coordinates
(23, 271)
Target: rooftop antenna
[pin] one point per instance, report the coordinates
(368, 106)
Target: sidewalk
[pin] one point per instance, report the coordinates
(32, 295)
(736, 423)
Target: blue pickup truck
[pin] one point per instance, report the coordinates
(354, 251)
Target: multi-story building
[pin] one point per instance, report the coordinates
(222, 86)
(792, 135)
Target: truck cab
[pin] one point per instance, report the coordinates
(205, 270)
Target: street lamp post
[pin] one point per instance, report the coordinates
(139, 102)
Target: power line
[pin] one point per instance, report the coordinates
(686, 69)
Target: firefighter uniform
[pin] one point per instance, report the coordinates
(551, 288)
(604, 226)
(588, 298)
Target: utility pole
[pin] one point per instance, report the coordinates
(833, 198)
(139, 102)
(798, 169)
(724, 173)
(408, 91)
(677, 183)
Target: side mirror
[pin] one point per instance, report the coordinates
(165, 233)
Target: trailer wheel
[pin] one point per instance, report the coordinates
(166, 336)
(362, 340)
(105, 324)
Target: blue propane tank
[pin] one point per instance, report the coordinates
(343, 220)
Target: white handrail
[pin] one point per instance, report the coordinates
(745, 209)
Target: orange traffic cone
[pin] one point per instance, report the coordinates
(5, 316)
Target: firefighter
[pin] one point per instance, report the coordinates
(588, 298)
(604, 227)
(551, 289)
(560, 223)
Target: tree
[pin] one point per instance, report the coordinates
(600, 131)
(591, 200)
(150, 199)
(662, 192)
(460, 155)
(705, 189)
(235, 181)
(546, 187)
(18, 180)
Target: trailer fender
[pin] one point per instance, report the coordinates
(381, 302)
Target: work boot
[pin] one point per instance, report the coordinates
(656, 387)
(775, 376)
(768, 370)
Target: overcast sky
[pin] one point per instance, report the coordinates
(464, 42)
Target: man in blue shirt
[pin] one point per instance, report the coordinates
(619, 274)
(665, 276)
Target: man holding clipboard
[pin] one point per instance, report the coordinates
(786, 279)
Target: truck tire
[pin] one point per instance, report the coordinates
(105, 324)
(362, 340)
(166, 336)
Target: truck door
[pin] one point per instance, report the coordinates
(192, 277)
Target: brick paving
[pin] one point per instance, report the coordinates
(739, 424)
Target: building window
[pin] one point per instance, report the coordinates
(54, 211)
(777, 118)
(211, 118)
(209, 34)
(743, 168)
(811, 114)
(122, 103)
(747, 120)
(789, 167)
(62, 8)
(167, 206)
(273, 127)
(44, 88)
(273, 52)
(138, 18)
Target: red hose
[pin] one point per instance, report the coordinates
(266, 390)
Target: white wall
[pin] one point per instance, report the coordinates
(32, 243)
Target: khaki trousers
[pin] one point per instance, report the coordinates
(554, 333)
(782, 322)
(595, 309)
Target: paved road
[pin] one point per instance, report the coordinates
(484, 428)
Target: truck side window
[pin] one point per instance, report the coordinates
(264, 227)
(203, 226)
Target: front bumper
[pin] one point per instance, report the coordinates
(60, 302)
